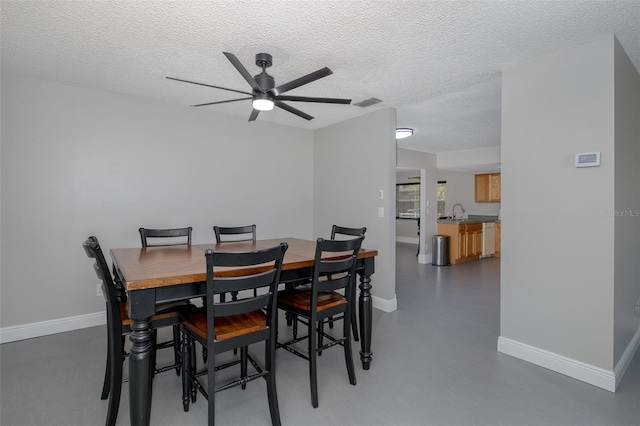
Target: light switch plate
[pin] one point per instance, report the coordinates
(380, 194)
(588, 159)
(380, 211)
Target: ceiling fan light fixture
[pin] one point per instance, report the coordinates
(403, 132)
(262, 103)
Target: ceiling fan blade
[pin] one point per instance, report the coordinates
(243, 71)
(209, 85)
(254, 115)
(221, 102)
(305, 99)
(302, 80)
(293, 110)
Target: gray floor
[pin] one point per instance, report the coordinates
(435, 363)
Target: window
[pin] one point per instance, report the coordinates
(442, 192)
(408, 200)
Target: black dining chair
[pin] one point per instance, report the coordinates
(118, 327)
(225, 326)
(333, 270)
(150, 237)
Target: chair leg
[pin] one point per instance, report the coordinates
(354, 322)
(320, 334)
(243, 365)
(211, 388)
(193, 368)
(186, 377)
(354, 326)
(176, 347)
(348, 354)
(294, 319)
(107, 376)
(117, 355)
(270, 349)
(313, 374)
(152, 363)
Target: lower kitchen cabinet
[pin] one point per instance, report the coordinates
(465, 243)
(497, 253)
(474, 240)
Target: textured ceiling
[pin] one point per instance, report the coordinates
(439, 63)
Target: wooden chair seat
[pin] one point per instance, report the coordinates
(302, 299)
(225, 327)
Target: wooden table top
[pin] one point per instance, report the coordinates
(151, 267)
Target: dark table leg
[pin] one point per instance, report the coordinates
(141, 307)
(366, 312)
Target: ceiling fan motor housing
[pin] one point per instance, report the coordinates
(265, 81)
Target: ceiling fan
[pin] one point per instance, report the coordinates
(265, 93)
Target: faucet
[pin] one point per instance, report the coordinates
(453, 211)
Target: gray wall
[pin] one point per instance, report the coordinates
(352, 161)
(461, 189)
(427, 163)
(558, 242)
(77, 162)
(627, 201)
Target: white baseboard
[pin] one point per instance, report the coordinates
(627, 356)
(384, 304)
(425, 258)
(45, 328)
(408, 240)
(579, 370)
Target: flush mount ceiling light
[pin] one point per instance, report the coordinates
(261, 102)
(403, 132)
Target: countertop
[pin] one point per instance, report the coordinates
(471, 219)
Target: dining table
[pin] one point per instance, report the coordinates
(154, 275)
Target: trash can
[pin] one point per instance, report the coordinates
(440, 244)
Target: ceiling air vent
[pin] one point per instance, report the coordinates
(368, 102)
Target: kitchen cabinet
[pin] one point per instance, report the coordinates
(487, 188)
(474, 240)
(465, 241)
(497, 253)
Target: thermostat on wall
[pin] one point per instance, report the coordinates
(588, 159)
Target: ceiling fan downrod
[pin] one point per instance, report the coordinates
(264, 80)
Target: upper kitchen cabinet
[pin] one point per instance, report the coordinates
(487, 188)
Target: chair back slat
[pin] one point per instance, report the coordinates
(333, 284)
(241, 306)
(247, 282)
(334, 265)
(350, 232)
(234, 233)
(165, 237)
